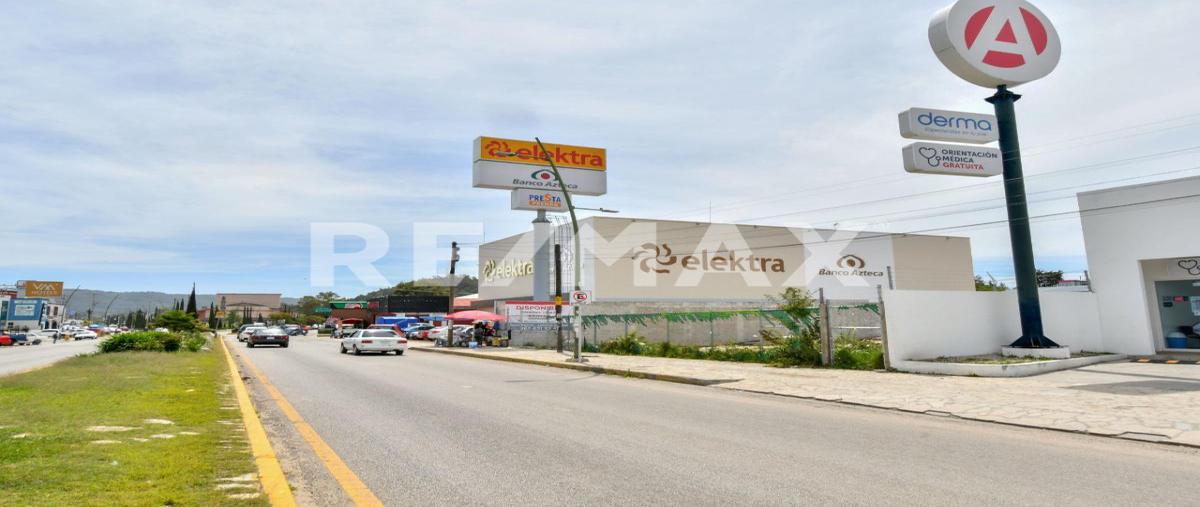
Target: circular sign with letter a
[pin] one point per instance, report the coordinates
(995, 42)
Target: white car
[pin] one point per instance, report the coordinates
(374, 340)
(439, 333)
(85, 335)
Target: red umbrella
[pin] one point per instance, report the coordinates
(474, 315)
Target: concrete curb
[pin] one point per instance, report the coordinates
(710, 383)
(581, 367)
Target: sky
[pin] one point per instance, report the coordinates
(145, 145)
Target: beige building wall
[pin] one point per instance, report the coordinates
(659, 260)
(932, 263)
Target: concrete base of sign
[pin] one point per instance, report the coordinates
(1043, 353)
(1001, 370)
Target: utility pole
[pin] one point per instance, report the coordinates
(450, 310)
(558, 293)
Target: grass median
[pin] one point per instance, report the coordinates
(132, 428)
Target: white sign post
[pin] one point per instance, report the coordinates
(952, 159)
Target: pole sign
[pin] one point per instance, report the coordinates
(511, 164)
(995, 42)
(953, 126)
(535, 200)
(952, 159)
(40, 289)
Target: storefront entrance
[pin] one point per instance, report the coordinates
(1179, 313)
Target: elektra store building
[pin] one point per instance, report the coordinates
(635, 266)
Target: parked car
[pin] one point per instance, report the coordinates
(294, 329)
(86, 335)
(5, 340)
(439, 333)
(417, 331)
(345, 330)
(46, 334)
(267, 335)
(246, 330)
(374, 340)
(26, 339)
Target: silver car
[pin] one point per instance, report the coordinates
(374, 340)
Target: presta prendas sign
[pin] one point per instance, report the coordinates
(995, 42)
(952, 159)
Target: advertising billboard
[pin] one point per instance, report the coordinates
(952, 159)
(25, 310)
(41, 289)
(414, 303)
(534, 200)
(953, 126)
(509, 164)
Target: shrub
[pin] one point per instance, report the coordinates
(152, 341)
(136, 341)
(852, 353)
(631, 344)
(801, 350)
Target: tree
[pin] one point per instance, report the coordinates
(191, 303)
(1049, 278)
(176, 320)
(232, 319)
(281, 317)
(213, 322)
(801, 309)
(989, 286)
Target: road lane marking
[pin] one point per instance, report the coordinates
(358, 492)
(274, 483)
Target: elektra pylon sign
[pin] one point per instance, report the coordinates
(1000, 44)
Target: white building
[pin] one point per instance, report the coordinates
(1143, 250)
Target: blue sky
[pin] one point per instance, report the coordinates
(147, 144)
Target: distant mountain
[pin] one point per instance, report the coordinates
(125, 302)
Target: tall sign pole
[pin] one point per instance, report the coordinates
(1001, 44)
(1032, 334)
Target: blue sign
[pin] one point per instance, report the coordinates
(25, 309)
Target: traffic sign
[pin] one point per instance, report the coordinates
(581, 297)
(995, 42)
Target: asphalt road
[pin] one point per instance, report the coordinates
(17, 359)
(430, 429)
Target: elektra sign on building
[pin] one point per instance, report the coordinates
(656, 260)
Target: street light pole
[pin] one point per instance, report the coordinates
(578, 356)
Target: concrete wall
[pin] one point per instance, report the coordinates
(933, 263)
(930, 324)
(1123, 227)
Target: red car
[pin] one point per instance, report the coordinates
(5, 340)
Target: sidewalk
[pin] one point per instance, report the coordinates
(1151, 402)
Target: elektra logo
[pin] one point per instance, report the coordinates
(659, 258)
(931, 119)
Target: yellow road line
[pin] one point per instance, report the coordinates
(274, 483)
(358, 492)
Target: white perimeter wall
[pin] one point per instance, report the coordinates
(928, 324)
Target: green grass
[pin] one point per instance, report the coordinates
(783, 351)
(57, 463)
